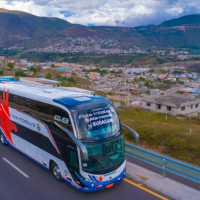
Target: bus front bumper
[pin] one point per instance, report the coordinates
(91, 187)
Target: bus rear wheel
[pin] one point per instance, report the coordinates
(2, 140)
(56, 172)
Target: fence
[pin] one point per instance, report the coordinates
(164, 162)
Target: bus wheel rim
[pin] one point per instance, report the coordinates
(56, 171)
(2, 139)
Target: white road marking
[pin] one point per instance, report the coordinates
(20, 171)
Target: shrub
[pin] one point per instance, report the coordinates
(20, 73)
(71, 79)
(49, 76)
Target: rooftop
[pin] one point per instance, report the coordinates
(42, 92)
(171, 100)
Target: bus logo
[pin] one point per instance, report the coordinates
(64, 120)
(38, 127)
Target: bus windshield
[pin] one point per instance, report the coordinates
(105, 156)
(99, 124)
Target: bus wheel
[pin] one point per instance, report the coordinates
(2, 140)
(56, 172)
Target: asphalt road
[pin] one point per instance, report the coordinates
(39, 184)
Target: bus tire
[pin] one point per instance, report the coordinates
(56, 172)
(2, 140)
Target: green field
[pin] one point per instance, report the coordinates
(87, 59)
(171, 136)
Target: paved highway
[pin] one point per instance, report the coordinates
(23, 179)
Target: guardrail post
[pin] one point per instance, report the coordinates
(164, 165)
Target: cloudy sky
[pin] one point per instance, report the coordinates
(107, 12)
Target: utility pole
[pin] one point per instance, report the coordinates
(125, 84)
(128, 96)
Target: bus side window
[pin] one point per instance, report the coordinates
(29, 103)
(1, 94)
(61, 117)
(43, 108)
(17, 99)
(10, 97)
(73, 159)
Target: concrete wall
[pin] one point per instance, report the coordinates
(189, 111)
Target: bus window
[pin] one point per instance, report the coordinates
(61, 117)
(43, 108)
(10, 97)
(73, 159)
(17, 99)
(29, 103)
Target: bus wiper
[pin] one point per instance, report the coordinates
(82, 148)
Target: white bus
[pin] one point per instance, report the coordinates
(76, 135)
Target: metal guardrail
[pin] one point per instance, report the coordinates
(164, 162)
(135, 134)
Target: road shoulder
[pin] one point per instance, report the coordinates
(165, 186)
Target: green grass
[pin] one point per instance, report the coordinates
(173, 134)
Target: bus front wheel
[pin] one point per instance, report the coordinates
(2, 139)
(56, 172)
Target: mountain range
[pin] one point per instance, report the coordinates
(23, 29)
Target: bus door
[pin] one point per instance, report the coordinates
(72, 161)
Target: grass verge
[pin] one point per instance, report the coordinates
(173, 134)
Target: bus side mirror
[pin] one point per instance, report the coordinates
(136, 135)
(82, 148)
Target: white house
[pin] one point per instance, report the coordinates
(174, 104)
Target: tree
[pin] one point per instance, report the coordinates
(10, 64)
(71, 79)
(177, 79)
(1, 71)
(152, 70)
(181, 82)
(33, 69)
(141, 78)
(20, 73)
(53, 65)
(147, 84)
(158, 79)
(49, 76)
(168, 82)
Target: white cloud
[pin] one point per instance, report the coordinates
(107, 12)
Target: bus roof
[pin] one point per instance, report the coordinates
(37, 91)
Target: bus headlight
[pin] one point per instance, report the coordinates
(88, 180)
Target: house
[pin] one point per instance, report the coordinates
(10, 60)
(135, 104)
(174, 104)
(2, 57)
(29, 64)
(186, 93)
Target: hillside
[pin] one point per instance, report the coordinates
(171, 136)
(24, 29)
(188, 20)
(182, 32)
